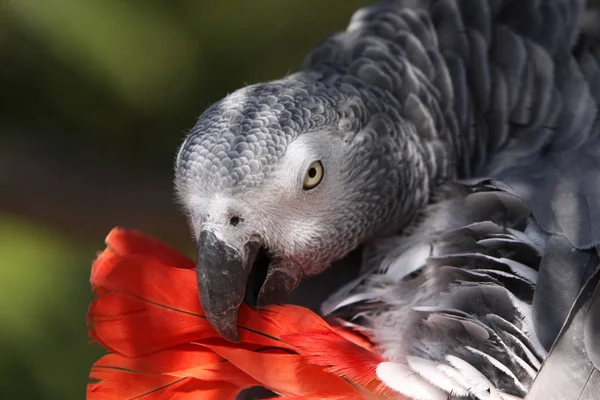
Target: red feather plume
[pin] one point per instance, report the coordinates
(148, 316)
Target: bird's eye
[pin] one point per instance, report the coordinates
(314, 175)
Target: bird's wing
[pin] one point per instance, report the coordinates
(496, 258)
(452, 312)
(524, 84)
(572, 369)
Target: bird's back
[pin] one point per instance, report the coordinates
(505, 89)
(512, 88)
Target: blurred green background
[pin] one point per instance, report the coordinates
(95, 98)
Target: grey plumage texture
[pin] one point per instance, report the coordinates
(466, 287)
(413, 95)
(572, 370)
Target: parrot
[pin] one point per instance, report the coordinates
(456, 145)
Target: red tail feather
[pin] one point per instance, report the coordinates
(119, 384)
(338, 355)
(287, 374)
(139, 313)
(127, 242)
(148, 313)
(185, 361)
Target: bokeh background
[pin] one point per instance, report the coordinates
(95, 98)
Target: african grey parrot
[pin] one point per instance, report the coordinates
(457, 143)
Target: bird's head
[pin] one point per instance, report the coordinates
(282, 178)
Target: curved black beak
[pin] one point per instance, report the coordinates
(222, 273)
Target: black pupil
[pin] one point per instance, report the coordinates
(312, 172)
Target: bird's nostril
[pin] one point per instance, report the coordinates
(235, 220)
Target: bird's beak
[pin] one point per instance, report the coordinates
(223, 272)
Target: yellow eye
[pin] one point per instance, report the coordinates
(314, 175)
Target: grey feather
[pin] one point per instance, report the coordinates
(563, 272)
(592, 329)
(463, 301)
(570, 371)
